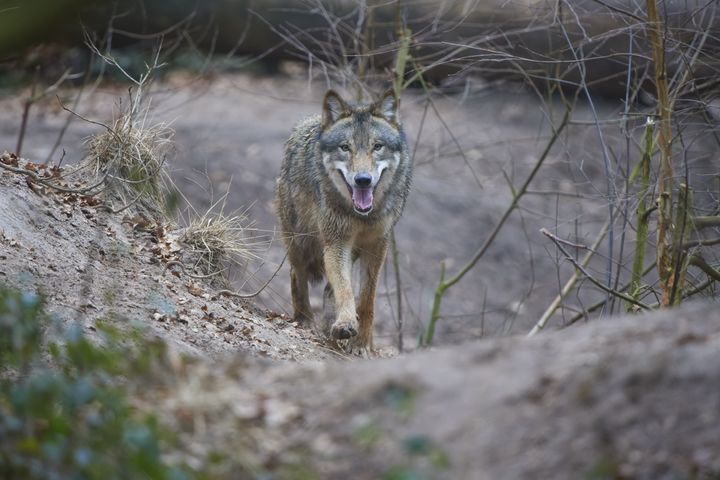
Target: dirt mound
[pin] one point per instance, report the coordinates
(634, 397)
(92, 265)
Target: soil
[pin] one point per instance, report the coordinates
(628, 398)
(93, 266)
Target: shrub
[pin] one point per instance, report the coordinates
(65, 406)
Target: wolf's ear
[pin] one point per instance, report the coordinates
(334, 108)
(386, 107)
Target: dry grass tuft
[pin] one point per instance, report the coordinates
(220, 241)
(131, 156)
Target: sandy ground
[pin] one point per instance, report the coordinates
(92, 266)
(629, 398)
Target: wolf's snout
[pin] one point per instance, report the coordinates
(363, 179)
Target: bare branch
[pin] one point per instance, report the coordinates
(587, 275)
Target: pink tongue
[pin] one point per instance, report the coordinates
(362, 197)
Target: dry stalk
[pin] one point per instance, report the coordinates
(665, 173)
(682, 234)
(641, 239)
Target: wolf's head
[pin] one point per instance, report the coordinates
(361, 148)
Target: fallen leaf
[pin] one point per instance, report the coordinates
(90, 200)
(38, 189)
(9, 159)
(194, 288)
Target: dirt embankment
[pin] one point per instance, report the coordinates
(628, 398)
(93, 266)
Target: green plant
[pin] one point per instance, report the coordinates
(71, 415)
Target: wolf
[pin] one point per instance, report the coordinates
(343, 184)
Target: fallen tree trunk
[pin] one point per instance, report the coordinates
(533, 41)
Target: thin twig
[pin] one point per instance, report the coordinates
(231, 293)
(621, 11)
(610, 185)
(570, 284)
(105, 126)
(582, 269)
(595, 306)
(37, 179)
(699, 288)
(26, 111)
(185, 272)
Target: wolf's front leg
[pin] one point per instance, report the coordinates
(338, 265)
(371, 261)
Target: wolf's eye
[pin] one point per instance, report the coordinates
(345, 147)
(378, 146)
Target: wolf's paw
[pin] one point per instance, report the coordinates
(354, 347)
(344, 330)
(357, 350)
(303, 321)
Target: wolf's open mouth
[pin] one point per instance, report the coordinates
(362, 199)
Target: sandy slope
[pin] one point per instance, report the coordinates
(628, 398)
(92, 265)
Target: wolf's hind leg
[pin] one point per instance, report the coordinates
(328, 314)
(300, 296)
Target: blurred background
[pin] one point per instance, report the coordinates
(521, 115)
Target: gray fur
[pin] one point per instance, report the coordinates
(324, 231)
